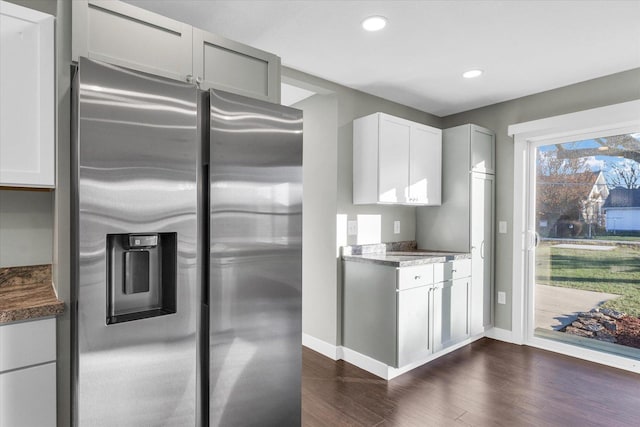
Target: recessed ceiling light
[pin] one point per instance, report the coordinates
(374, 23)
(472, 74)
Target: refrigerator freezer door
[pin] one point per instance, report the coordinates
(255, 262)
(136, 163)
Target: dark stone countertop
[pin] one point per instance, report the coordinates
(26, 293)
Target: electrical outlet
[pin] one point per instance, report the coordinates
(502, 227)
(502, 297)
(352, 228)
(396, 227)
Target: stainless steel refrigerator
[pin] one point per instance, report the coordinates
(187, 223)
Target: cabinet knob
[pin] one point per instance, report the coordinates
(417, 277)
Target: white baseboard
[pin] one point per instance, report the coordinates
(501, 335)
(387, 372)
(365, 362)
(322, 347)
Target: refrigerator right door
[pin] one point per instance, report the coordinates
(255, 262)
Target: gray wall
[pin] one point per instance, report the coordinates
(46, 6)
(62, 207)
(26, 228)
(599, 92)
(320, 173)
(322, 277)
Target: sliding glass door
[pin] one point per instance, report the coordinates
(584, 241)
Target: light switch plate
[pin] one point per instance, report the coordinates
(396, 227)
(502, 297)
(502, 227)
(352, 228)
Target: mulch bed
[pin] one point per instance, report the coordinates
(629, 331)
(607, 325)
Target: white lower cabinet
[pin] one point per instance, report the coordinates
(28, 397)
(414, 324)
(450, 313)
(28, 374)
(402, 315)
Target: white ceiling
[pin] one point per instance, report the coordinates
(525, 47)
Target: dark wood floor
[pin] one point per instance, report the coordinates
(488, 383)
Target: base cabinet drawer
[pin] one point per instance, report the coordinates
(27, 343)
(28, 397)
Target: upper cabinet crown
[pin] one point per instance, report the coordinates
(122, 34)
(27, 106)
(396, 161)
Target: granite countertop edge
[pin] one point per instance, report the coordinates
(394, 261)
(27, 293)
(31, 312)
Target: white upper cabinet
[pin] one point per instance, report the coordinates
(126, 35)
(27, 106)
(396, 161)
(425, 165)
(482, 150)
(393, 161)
(220, 63)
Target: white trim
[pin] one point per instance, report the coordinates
(519, 239)
(322, 347)
(595, 356)
(587, 121)
(612, 120)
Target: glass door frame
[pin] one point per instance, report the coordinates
(599, 122)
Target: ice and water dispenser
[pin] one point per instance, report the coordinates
(141, 276)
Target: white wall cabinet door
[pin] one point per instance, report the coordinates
(396, 161)
(220, 63)
(125, 35)
(425, 166)
(27, 104)
(393, 147)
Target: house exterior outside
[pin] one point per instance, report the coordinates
(622, 209)
(592, 206)
(583, 196)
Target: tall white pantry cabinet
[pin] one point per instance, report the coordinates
(465, 220)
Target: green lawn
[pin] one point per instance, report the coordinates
(615, 272)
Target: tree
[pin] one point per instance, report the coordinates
(625, 173)
(562, 185)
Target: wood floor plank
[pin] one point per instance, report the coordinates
(488, 383)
